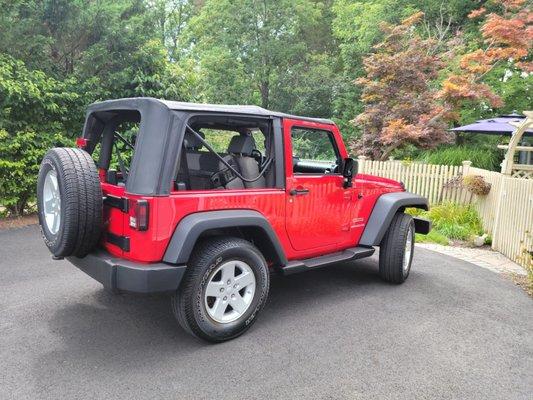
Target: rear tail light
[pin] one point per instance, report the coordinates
(82, 143)
(139, 214)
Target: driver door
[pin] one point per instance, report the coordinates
(318, 212)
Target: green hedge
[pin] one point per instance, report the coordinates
(481, 157)
(450, 221)
(21, 155)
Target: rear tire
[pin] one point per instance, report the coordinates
(210, 303)
(69, 202)
(396, 249)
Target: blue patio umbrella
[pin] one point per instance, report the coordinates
(494, 126)
(500, 126)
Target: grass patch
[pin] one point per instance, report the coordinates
(450, 222)
(432, 237)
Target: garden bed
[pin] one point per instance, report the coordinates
(18, 222)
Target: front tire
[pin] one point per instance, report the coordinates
(396, 249)
(224, 289)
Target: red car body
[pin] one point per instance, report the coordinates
(339, 214)
(311, 210)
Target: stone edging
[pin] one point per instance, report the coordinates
(484, 258)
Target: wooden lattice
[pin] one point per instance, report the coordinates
(519, 173)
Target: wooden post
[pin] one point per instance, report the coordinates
(500, 203)
(361, 164)
(466, 167)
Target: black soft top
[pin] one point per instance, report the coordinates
(146, 103)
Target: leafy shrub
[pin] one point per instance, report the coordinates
(450, 221)
(20, 158)
(30, 102)
(481, 157)
(456, 221)
(476, 184)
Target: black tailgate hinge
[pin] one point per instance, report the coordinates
(120, 241)
(117, 202)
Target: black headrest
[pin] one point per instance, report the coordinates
(241, 144)
(192, 142)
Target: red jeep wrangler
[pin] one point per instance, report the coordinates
(204, 201)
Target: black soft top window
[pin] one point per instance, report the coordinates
(112, 136)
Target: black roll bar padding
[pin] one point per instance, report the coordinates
(208, 146)
(107, 146)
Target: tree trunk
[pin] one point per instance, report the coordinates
(22, 204)
(459, 139)
(389, 150)
(265, 91)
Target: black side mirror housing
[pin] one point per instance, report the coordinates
(349, 170)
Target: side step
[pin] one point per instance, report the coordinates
(352, 253)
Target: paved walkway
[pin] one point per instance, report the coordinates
(482, 257)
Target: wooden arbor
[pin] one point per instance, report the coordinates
(509, 167)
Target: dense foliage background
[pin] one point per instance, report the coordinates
(388, 71)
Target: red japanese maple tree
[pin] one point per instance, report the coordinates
(400, 103)
(404, 104)
(506, 37)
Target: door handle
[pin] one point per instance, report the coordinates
(298, 192)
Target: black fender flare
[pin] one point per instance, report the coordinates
(191, 227)
(384, 210)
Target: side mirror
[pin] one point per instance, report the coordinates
(349, 169)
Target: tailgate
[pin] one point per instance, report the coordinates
(115, 219)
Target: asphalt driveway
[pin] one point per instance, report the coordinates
(452, 330)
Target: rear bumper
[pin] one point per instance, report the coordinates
(422, 225)
(127, 276)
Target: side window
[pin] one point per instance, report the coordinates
(259, 139)
(313, 151)
(219, 139)
(221, 152)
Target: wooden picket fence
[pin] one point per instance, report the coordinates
(506, 212)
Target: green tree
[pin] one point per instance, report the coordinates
(248, 51)
(171, 18)
(31, 100)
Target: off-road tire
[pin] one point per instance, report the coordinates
(81, 202)
(188, 302)
(392, 249)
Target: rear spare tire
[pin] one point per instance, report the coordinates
(69, 202)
